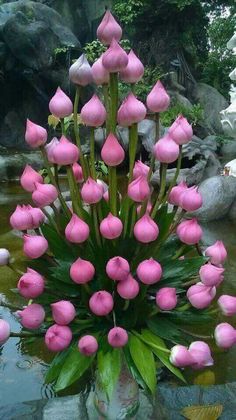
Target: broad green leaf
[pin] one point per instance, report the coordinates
(203, 412)
(166, 329)
(109, 366)
(56, 365)
(183, 269)
(57, 244)
(144, 361)
(133, 369)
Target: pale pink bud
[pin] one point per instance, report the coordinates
(31, 284)
(58, 337)
(131, 111)
(108, 29)
(91, 192)
(115, 58)
(111, 227)
(181, 131)
(149, 271)
(201, 355)
(78, 172)
(65, 152)
(180, 356)
(93, 112)
(4, 256)
(60, 105)
(191, 199)
(148, 208)
(129, 288)
(88, 345)
(4, 331)
(134, 70)
(32, 316)
(166, 298)
(227, 305)
(225, 335)
(35, 135)
(217, 253)
(63, 312)
(82, 271)
(77, 231)
(34, 246)
(140, 169)
(29, 178)
(101, 303)
(176, 192)
(117, 269)
(166, 150)
(37, 216)
(201, 296)
(117, 337)
(146, 230)
(44, 194)
(49, 147)
(190, 233)
(21, 219)
(158, 99)
(100, 75)
(138, 189)
(80, 72)
(112, 153)
(211, 275)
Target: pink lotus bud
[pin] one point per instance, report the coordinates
(146, 230)
(100, 75)
(201, 296)
(91, 192)
(190, 233)
(65, 152)
(63, 312)
(58, 337)
(211, 275)
(101, 303)
(117, 269)
(118, 337)
(32, 316)
(31, 284)
(4, 331)
(60, 105)
(129, 288)
(77, 231)
(34, 246)
(50, 148)
(93, 112)
(134, 70)
(140, 169)
(108, 29)
(29, 178)
(115, 58)
(82, 271)
(112, 153)
(4, 256)
(181, 131)
(176, 192)
(78, 172)
(37, 216)
(138, 189)
(166, 150)
(166, 298)
(227, 305)
(148, 209)
(44, 194)
(225, 335)
(180, 356)
(80, 72)
(88, 345)
(201, 355)
(35, 135)
(131, 111)
(217, 253)
(191, 199)
(111, 227)
(106, 196)
(21, 219)
(149, 271)
(158, 99)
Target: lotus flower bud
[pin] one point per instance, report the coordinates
(201, 296)
(149, 271)
(166, 150)
(32, 316)
(112, 153)
(217, 253)
(118, 337)
(21, 219)
(44, 194)
(4, 331)
(176, 192)
(65, 152)
(37, 216)
(227, 305)
(29, 178)
(211, 275)
(60, 105)
(181, 131)
(117, 269)
(106, 196)
(35, 135)
(91, 191)
(31, 284)
(50, 148)
(191, 199)
(225, 335)
(93, 112)
(109, 29)
(180, 356)
(4, 256)
(131, 111)
(134, 70)
(82, 271)
(166, 298)
(78, 172)
(140, 169)
(158, 99)
(201, 355)
(115, 58)
(34, 246)
(100, 75)
(88, 345)
(190, 233)
(101, 303)
(146, 230)
(80, 72)
(129, 288)
(58, 337)
(111, 227)
(138, 189)
(63, 312)
(77, 231)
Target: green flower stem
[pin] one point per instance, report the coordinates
(162, 190)
(204, 337)
(173, 182)
(113, 190)
(76, 130)
(92, 153)
(133, 220)
(10, 306)
(164, 349)
(106, 102)
(87, 288)
(74, 192)
(96, 227)
(112, 127)
(55, 166)
(50, 219)
(133, 142)
(152, 162)
(11, 266)
(63, 128)
(179, 252)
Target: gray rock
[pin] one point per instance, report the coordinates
(211, 142)
(12, 165)
(228, 149)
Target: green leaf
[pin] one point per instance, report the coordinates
(56, 365)
(109, 366)
(58, 246)
(143, 358)
(166, 329)
(182, 269)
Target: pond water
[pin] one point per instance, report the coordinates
(22, 366)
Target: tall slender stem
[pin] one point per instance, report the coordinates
(133, 141)
(173, 182)
(76, 130)
(133, 219)
(113, 190)
(157, 131)
(112, 127)
(50, 219)
(106, 102)
(96, 227)
(74, 192)
(162, 190)
(92, 154)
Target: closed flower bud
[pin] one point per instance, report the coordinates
(139, 190)
(129, 288)
(117, 269)
(118, 337)
(217, 253)
(112, 153)
(60, 105)
(146, 230)
(78, 172)
(31, 284)
(158, 99)
(101, 303)
(201, 296)
(180, 356)
(227, 305)
(100, 75)
(211, 275)
(29, 178)
(189, 232)
(21, 219)
(111, 227)
(166, 150)
(91, 191)
(82, 271)
(50, 148)
(77, 231)
(37, 216)
(225, 335)
(4, 331)
(201, 355)
(191, 199)
(134, 70)
(140, 169)
(44, 194)
(166, 298)
(149, 271)
(131, 111)
(65, 152)
(115, 58)
(108, 29)
(80, 72)
(88, 345)
(93, 113)
(34, 246)
(181, 131)
(35, 135)
(4, 256)
(63, 312)
(58, 337)
(176, 192)
(32, 316)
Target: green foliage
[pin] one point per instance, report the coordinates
(144, 361)
(129, 10)
(109, 366)
(143, 87)
(95, 49)
(194, 114)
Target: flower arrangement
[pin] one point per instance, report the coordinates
(113, 278)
